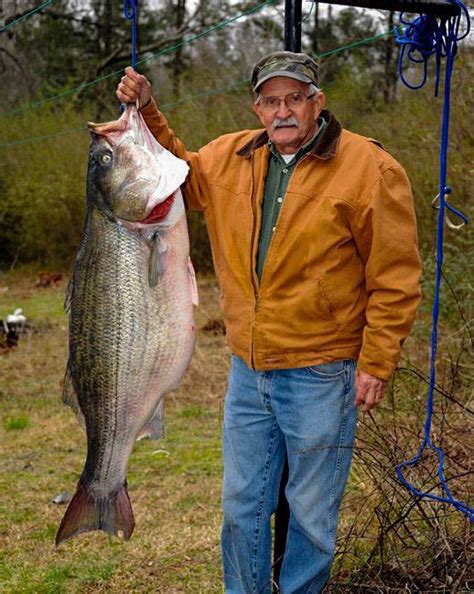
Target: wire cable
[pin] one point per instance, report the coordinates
(26, 16)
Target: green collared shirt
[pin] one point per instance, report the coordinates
(276, 183)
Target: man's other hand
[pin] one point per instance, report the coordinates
(134, 86)
(369, 390)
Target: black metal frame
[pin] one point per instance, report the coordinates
(293, 13)
(434, 7)
(293, 25)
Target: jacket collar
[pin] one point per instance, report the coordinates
(325, 148)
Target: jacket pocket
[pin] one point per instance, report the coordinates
(328, 311)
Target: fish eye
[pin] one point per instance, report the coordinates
(106, 158)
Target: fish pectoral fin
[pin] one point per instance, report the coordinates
(155, 428)
(157, 264)
(69, 397)
(85, 513)
(193, 283)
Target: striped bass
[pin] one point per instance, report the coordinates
(131, 328)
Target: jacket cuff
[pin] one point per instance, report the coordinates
(382, 370)
(149, 109)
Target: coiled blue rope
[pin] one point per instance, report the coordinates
(423, 37)
(130, 8)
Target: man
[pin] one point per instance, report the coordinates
(313, 236)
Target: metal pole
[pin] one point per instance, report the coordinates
(282, 514)
(293, 25)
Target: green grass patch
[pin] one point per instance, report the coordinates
(16, 423)
(192, 412)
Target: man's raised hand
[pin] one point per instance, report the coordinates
(133, 87)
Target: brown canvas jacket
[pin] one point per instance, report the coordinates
(341, 277)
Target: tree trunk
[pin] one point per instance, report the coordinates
(391, 75)
(178, 63)
(316, 30)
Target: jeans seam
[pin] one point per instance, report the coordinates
(262, 383)
(342, 435)
(258, 516)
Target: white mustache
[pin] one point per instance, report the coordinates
(278, 123)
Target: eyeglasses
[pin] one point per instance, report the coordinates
(294, 100)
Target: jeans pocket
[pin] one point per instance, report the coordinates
(328, 370)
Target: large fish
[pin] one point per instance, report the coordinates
(131, 328)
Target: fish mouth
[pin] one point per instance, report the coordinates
(158, 212)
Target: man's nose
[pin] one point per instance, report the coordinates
(283, 110)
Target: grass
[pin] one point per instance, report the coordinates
(174, 484)
(15, 423)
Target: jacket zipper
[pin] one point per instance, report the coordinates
(279, 215)
(252, 271)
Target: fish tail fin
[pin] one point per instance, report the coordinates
(109, 514)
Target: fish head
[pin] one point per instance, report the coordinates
(126, 175)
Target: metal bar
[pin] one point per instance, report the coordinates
(293, 25)
(292, 44)
(433, 7)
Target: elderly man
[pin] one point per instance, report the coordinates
(313, 236)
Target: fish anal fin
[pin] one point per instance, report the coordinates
(69, 397)
(84, 514)
(155, 428)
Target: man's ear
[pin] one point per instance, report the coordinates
(257, 110)
(321, 100)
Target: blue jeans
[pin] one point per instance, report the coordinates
(309, 415)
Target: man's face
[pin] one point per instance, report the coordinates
(289, 128)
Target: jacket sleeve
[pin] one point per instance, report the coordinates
(193, 188)
(384, 228)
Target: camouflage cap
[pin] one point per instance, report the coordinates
(292, 65)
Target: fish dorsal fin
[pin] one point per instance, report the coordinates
(156, 267)
(155, 428)
(69, 397)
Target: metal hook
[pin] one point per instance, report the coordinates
(436, 206)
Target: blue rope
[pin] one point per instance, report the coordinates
(130, 13)
(423, 37)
